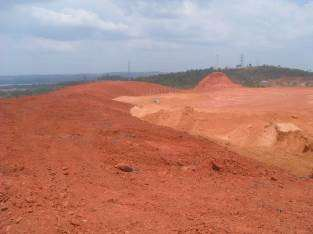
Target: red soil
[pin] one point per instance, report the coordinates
(58, 175)
(215, 80)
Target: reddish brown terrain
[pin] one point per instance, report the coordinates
(62, 154)
(272, 125)
(213, 81)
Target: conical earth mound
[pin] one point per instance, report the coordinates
(215, 80)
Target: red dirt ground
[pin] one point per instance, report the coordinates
(57, 172)
(272, 125)
(215, 80)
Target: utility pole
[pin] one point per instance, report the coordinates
(242, 60)
(128, 69)
(217, 61)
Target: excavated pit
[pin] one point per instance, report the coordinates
(273, 125)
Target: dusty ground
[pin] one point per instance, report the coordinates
(57, 172)
(273, 125)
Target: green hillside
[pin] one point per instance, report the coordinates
(248, 76)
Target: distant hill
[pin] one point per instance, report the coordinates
(61, 78)
(260, 76)
(45, 79)
(25, 85)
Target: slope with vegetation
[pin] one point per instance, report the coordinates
(249, 76)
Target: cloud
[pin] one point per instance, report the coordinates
(248, 23)
(75, 18)
(50, 45)
(263, 23)
(162, 34)
(9, 3)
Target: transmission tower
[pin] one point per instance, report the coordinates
(217, 61)
(128, 69)
(242, 60)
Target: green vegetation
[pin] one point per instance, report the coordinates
(249, 76)
(186, 79)
(25, 91)
(29, 90)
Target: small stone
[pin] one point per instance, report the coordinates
(63, 195)
(112, 200)
(65, 173)
(188, 168)
(29, 200)
(216, 167)
(8, 228)
(273, 178)
(4, 208)
(64, 168)
(18, 220)
(75, 222)
(124, 167)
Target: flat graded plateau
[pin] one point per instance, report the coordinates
(76, 161)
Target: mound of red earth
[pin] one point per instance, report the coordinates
(215, 80)
(60, 172)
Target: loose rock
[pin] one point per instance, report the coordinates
(75, 222)
(19, 219)
(124, 167)
(216, 167)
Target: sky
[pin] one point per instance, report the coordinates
(98, 36)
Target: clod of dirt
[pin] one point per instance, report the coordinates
(291, 138)
(308, 148)
(216, 167)
(287, 127)
(124, 167)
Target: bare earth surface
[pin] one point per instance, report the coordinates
(272, 125)
(58, 172)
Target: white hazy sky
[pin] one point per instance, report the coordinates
(91, 36)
